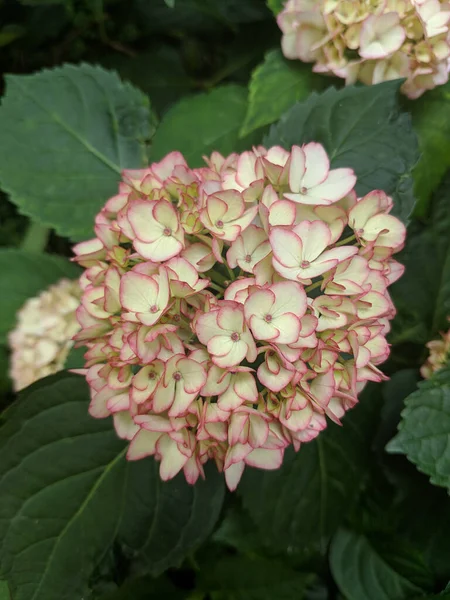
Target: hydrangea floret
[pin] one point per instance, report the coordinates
(371, 40)
(439, 355)
(42, 337)
(228, 310)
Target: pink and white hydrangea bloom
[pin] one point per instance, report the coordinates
(371, 41)
(230, 311)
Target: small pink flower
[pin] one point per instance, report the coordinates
(300, 254)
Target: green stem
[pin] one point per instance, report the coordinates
(230, 272)
(313, 286)
(346, 240)
(217, 277)
(36, 238)
(216, 287)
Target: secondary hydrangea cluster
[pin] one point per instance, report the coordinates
(42, 338)
(229, 310)
(439, 355)
(371, 40)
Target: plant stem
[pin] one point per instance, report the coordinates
(217, 277)
(313, 286)
(36, 238)
(216, 287)
(346, 240)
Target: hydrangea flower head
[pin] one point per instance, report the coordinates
(230, 310)
(371, 40)
(439, 355)
(42, 337)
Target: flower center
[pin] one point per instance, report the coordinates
(304, 190)
(167, 231)
(152, 375)
(305, 264)
(235, 336)
(177, 376)
(268, 318)
(248, 258)
(219, 224)
(153, 309)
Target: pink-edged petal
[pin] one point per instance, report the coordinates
(172, 460)
(317, 165)
(138, 292)
(288, 327)
(233, 475)
(263, 458)
(336, 186)
(286, 247)
(296, 168)
(143, 444)
(315, 237)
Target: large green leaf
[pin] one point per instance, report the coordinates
(158, 72)
(362, 128)
(145, 588)
(305, 500)
(430, 120)
(276, 85)
(422, 295)
(22, 276)
(66, 135)
(241, 578)
(424, 430)
(62, 480)
(66, 492)
(4, 591)
(199, 124)
(362, 574)
(162, 522)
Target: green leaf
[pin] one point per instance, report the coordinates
(62, 480)
(361, 128)
(199, 124)
(158, 72)
(75, 358)
(242, 578)
(66, 135)
(424, 430)
(67, 493)
(275, 85)
(145, 588)
(423, 307)
(431, 123)
(163, 522)
(23, 275)
(361, 573)
(4, 591)
(302, 503)
(276, 6)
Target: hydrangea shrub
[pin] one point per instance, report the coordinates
(230, 309)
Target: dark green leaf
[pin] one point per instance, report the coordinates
(395, 390)
(430, 120)
(361, 573)
(75, 359)
(362, 128)
(199, 124)
(163, 522)
(22, 276)
(62, 480)
(4, 591)
(241, 578)
(145, 588)
(424, 430)
(300, 505)
(66, 135)
(423, 307)
(158, 72)
(275, 85)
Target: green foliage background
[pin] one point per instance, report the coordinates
(360, 513)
